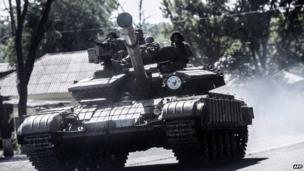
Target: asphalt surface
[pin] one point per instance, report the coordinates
(280, 153)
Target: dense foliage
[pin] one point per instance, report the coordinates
(247, 37)
(36, 30)
(70, 26)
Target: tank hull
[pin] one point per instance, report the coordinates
(209, 129)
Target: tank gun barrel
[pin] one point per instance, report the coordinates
(124, 20)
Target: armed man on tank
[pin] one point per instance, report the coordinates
(169, 58)
(110, 51)
(183, 49)
(140, 37)
(152, 48)
(118, 47)
(115, 56)
(116, 43)
(148, 47)
(176, 56)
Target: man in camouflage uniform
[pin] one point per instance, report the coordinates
(148, 48)
(182, 47)
(140, 36)
(111, 51)
(176, 56)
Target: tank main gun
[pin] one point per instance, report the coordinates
(124, 20)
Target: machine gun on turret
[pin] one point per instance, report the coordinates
(107, 52)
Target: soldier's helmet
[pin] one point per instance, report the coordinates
(176, 33)
(112, 35)
(149, 39)
(139, 32)
(140, 36)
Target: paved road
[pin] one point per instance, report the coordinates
(270, 154)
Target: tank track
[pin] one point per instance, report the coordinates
(183, 140)
(193, 146)
(41, 152)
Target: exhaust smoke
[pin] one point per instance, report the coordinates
(278, 104)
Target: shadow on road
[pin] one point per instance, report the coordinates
(231, 166)
(228, 166)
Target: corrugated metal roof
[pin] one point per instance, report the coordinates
(4, 67)
(53, 73)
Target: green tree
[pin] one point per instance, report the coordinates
(72, 23)
(252, 36)
(290, 33)
(26, 56)
(253, 31)
(4, 36)
(69, 27)
(195, 20)
(160, 32)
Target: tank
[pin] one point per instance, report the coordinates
(126, 109)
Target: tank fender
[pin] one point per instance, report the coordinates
(44, 123)
(247, 113)
(178, 109)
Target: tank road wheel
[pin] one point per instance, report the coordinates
(204, 140)
(87, 163)
(183, 156)
(193, 146)
(113, 160)
(242, 139)
(237, 140)
(183, 141)
(41, 153)
(227, 147)
(189, 147)
(220, 145)
(233, 143)
(188, 155)
(213, 146)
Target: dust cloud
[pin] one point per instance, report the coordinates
(278, 108)
(278, 104)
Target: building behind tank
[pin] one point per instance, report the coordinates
(52, 75)
(50, 79)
